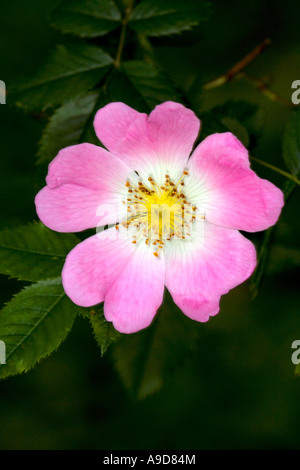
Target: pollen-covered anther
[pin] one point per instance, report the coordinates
(161, 212)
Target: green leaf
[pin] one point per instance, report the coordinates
(33, 252)
(291, 144)
(237, 129)
(87, 18)
(291, 155)
(157, 18)
(238, 117)
(145, 359)
(119, 88)
(33, 324)
(68, 72)
(104, 332)
(67, 126)
(152, 85)
(241, 110)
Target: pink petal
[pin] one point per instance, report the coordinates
(90, 166)
(133, 300)
(85, 188)
(173, 130)
(94, 265)
(224, 147)
(123, 131)
(127, 277)
(72, 208)
(198, 272)
(152, 146)
(226, 190)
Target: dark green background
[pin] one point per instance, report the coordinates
(238, 390)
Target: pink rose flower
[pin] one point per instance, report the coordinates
(195, 249)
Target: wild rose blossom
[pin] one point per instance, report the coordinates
(174, 220)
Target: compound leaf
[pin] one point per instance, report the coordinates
(87, 18)
(33, 324)
(34, 252)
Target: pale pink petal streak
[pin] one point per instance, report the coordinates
(123, 132)
(137, 293)
(198, 272)
(93, 265)
(85, 188)
(90, 166)
(162, 142)
(173, 130)
(226, 190)
(127, 277)
(72, 208)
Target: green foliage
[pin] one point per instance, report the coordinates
(120, 88)
(141, 86)
(87, 18)
(238, 117)
(291, 144)
(33, 324)
(74, 82)
(157, 18)
(288, 189)
(104, 332)
(67, 73)
(33, 252)
(66, 126)
(234, 126)
(145, 359)
(151, 84)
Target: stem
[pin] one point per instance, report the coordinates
(123, 33)
(237, 71)
(262, 86)
(147, 48)
(278, 170)
(238, 67)
(261, 262)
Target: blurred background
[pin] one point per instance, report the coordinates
(237, 390)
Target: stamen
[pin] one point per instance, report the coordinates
(159, 213)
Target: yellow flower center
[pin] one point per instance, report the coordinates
(159, 213)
